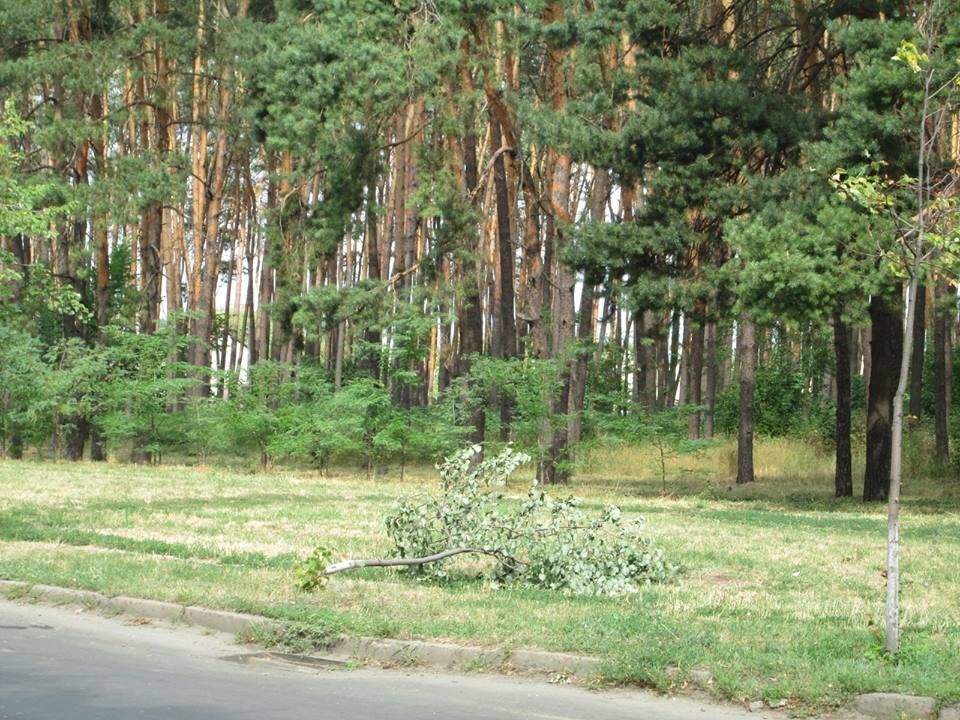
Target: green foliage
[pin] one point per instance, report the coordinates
(75, 389)
(27, 206)
(146, 387)
(310, 572)
(541, 542)
(248, 417)
(22, 375)
(786, 402)
(331, 425)
(666, 429)
(420, 433)
(530, 384)
(360, 421)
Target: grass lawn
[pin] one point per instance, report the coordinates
(782, 597)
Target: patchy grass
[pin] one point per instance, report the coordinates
(782, 599)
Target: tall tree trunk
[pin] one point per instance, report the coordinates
(886, 343)
(916, 361)
(711, 378)
(694, 386)
(683, 371)
(747, 342)
(101, 240)
(76, 438)
(370, 356)
(209, 245)
(945, 311)
(559, 294)
(674, 364)
(260, 338)
(648, 357)
(506, 259)
(664, 367)
(578, 369)
(151, 142)
(843, 474)
(470, 315)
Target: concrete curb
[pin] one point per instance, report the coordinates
(404, 653)
(896, 706)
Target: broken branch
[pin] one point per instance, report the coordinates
(393, 562)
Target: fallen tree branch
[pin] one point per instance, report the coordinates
(393, 562)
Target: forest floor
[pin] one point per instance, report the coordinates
(781, 598)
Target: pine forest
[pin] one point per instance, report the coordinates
(373, 231)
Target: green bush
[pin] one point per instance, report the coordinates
(75, 392)
(248, 417)
(361, 422)
(147, 389)
(24, 416)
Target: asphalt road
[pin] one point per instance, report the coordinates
(65, 664)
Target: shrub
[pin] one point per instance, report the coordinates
(147, 387)
(23, 419)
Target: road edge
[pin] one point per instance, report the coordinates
(382, 651)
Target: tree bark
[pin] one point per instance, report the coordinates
(843, 474)
(695, 368)
(506, 259)
(711, 379)
(886, 343)
(578, 369)
(558, 295)
(470, 315)
(945, 310)
(101, 242)
(747, 342)
(98, 444)
(505, 248)
(370, 356)
(916, 361)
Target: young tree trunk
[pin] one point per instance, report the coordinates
(843, 475)
(886, 345)
(892, 613)
(747, 342)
